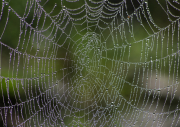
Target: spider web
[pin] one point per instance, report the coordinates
(89, 63)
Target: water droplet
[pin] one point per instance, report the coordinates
(6, 3)
(145, 1)
(159, 90)
(63, 8)
(9, 8)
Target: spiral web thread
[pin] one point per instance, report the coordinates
(89, 63)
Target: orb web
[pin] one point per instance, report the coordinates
(89, 63)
